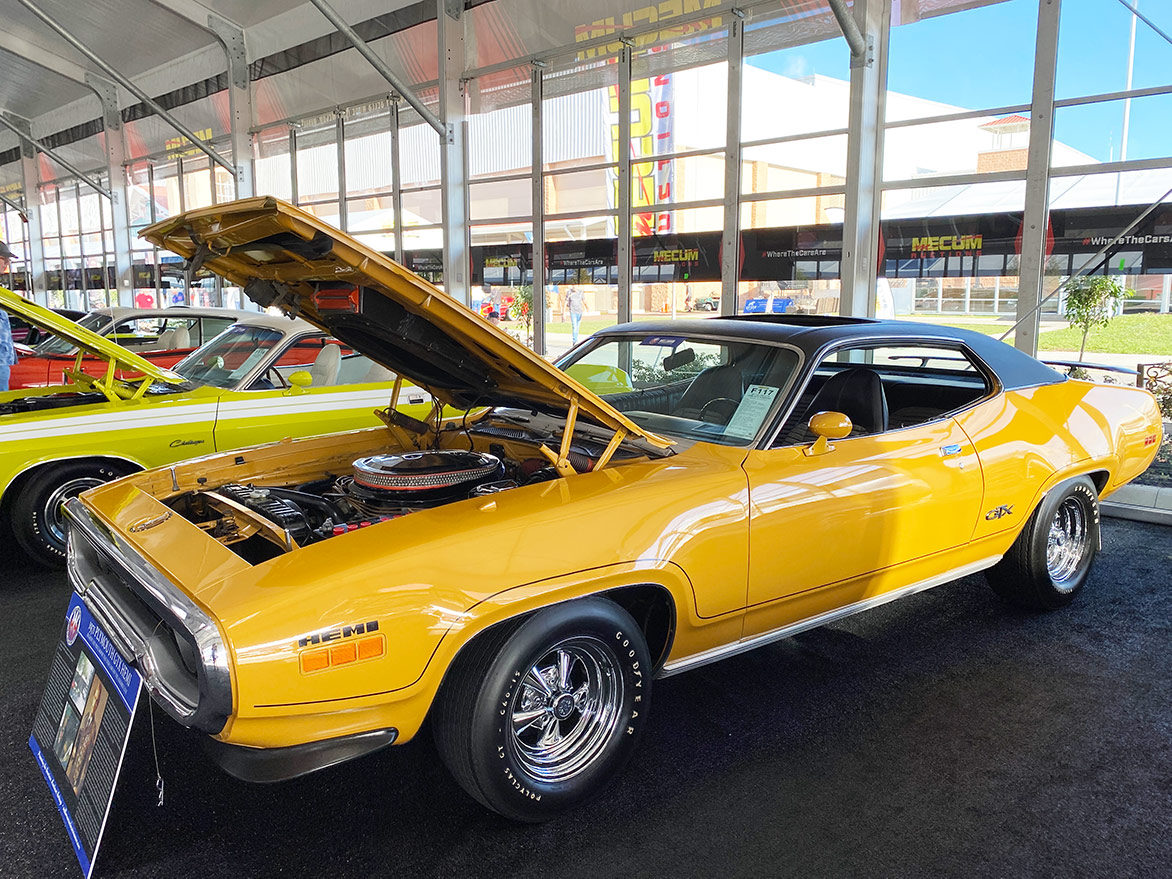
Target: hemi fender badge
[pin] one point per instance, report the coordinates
(339, 633)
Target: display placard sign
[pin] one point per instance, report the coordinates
(80, 734)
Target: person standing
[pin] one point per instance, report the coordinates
(576, 305)
(7, 351)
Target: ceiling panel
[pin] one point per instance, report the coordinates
(28, 90)
(246, 13)
(133, 36)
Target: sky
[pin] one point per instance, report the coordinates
(984, 58)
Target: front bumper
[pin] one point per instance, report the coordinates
(281, 764)
(178, 649)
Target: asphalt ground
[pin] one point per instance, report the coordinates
(945, 734)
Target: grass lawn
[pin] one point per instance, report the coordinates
(588, 326)
(1129, 334)
(990, 329)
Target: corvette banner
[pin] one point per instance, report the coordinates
(81, 730)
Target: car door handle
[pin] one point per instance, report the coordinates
(950, 450)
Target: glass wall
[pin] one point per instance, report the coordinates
(77, 239)
(14, 232)
(954, 144)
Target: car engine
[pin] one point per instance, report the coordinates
(260, 522)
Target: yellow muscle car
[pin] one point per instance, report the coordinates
(677, 492)
(262, 379)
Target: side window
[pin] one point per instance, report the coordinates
(138, 335)
(207, 328)
(886, 387)
(314, 354)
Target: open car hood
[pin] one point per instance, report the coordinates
(287, 258)
(87, 340)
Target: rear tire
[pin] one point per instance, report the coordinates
(537, 717)
(1049, 563)
(37, 521)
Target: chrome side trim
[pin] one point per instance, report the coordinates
(210, 710)
(746, 644)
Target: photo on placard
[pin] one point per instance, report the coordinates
(66, 733)
(82, 675)
(91, 721)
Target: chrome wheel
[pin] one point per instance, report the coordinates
(566, 709)
(1066, 544)
(54, 520)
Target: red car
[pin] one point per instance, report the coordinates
(162, 336)
(25, 334)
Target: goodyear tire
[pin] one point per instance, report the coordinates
(37, 521)
(537, 717)
(1049, 563)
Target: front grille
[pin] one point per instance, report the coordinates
(156, 627)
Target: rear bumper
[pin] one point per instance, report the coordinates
(280, 764)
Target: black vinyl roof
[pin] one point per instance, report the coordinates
(813, 333)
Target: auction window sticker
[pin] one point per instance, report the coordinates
(751, 412)
(82, 727)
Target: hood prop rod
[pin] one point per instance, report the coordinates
(560, 459)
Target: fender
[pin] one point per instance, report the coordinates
(35, 463)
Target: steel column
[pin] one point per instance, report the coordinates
(340, 150)
(396, 180)
(293, 193)
(231, 36)
(730, 245)
(30, 181)
(453, 179)
(125, 82)
(1037, 190)
(624, 185)
(864, 165)
(22, 130)
(536, 164)
(115, 147)
(84, 292)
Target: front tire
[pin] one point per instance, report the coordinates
(37, 521)
(537, 717)
(1049, 563)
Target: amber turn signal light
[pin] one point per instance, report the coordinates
(342, 654)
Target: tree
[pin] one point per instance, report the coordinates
(522, 309)
(1091, 301)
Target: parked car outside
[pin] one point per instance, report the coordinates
(160, 336)
(240, 388)
(675, 493)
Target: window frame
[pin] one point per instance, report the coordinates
(993, 382)
(784, 396)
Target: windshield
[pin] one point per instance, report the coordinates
(95, 321)
(718, 391)
(229, 357)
